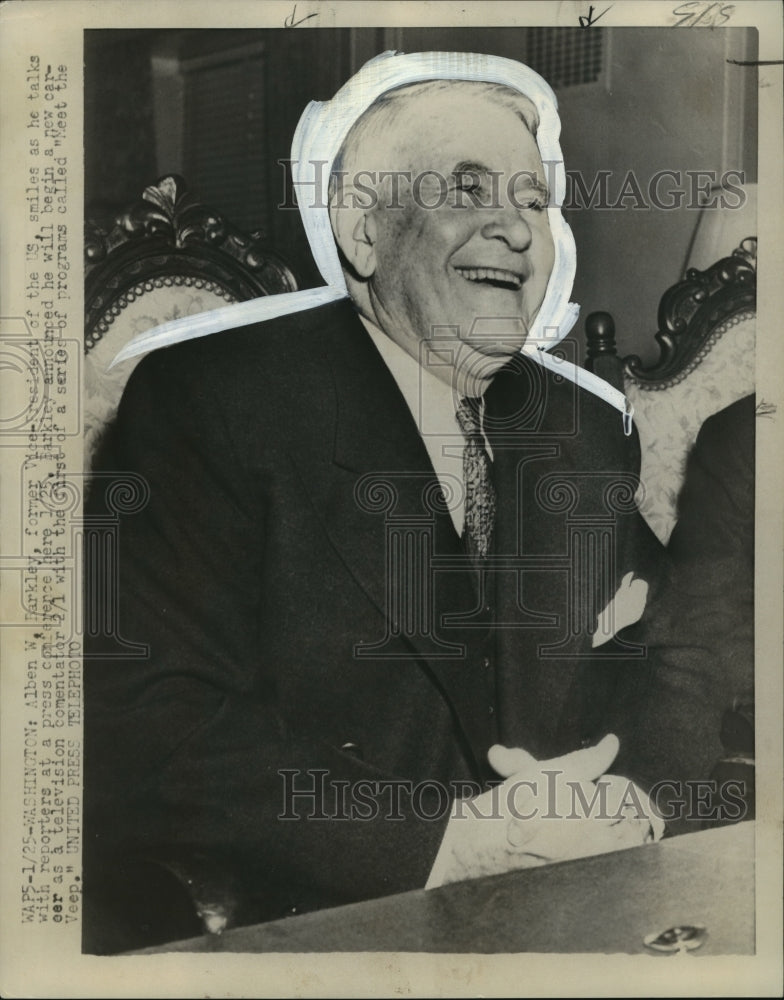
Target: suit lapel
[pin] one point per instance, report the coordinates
(378, 500)
(382, 477)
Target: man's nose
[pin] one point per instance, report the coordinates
(507, 224)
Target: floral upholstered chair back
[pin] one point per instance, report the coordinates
(706, 336)
(166, 256)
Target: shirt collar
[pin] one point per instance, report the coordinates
(430, 399)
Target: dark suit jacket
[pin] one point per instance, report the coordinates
(288, 490)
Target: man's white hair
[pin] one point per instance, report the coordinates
(386, 112)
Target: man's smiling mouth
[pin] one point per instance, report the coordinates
(496, 276)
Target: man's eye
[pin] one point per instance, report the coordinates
(536, 201)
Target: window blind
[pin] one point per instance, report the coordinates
(224, 157)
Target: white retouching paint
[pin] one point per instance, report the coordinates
(320, 134)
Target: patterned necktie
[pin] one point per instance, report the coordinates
(480, 497)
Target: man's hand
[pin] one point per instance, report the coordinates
(543, 811)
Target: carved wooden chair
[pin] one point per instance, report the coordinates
(166, 256)
(706, 336)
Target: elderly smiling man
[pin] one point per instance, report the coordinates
(457, 230)
(379, 535)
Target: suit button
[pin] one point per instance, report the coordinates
(586, 741)
(354, 749)
(486, 662)
(490, 710)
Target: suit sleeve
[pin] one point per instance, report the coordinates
(184, 746)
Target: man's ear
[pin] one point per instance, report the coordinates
(356, 232)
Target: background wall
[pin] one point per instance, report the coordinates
(220, 107)
(673, 102)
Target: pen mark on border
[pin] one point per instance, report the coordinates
(587, 20)
(289, 22)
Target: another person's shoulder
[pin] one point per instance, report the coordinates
(719, 478)
(729, 430)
